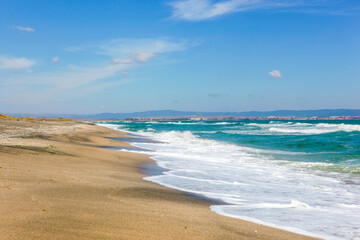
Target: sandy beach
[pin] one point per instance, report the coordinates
(58, 182)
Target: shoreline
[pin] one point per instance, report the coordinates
(153, 169)
(65, 185)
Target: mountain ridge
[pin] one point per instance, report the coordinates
(174, 113)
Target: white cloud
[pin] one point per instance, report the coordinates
(136, 51)
(124, 74)
(197, 10)
(125, 53)
(275, 74)
(74, 77)
(75, 49)
(73, 80)
(121, 61)
(26, 29)
(135, 57)
(142, 57)
(15, 63)
(141, 50)
(55, 59)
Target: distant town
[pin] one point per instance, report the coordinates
(232, 118)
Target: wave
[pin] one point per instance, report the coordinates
(212, 181)
(301, 128)
(224, 123)
(174, 123)
(271, 128)
(292, 204)
(256, 184)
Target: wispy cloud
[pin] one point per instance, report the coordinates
(26, 29)
(12, 63)
(124, 74)
(197, 10)
(75, 49)
(122, 53)
(55, 59)
(136, 51)
(38, 87)
(142, 50)
(275, 74)
(135, 57)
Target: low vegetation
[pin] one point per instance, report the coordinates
(5, 117)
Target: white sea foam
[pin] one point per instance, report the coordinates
(224, 210)
(111, 126)
(300, 128)
(190, 123)
(258, 187)
(292, 204)
(174, 123)
(224, 123)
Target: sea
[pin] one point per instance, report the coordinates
(300, 176)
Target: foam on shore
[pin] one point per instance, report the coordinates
(289, 195)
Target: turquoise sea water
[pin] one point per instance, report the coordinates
(303, 176)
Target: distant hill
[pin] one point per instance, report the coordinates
(172, 113)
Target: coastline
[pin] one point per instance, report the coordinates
(66, 185)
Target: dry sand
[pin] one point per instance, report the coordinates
(56, 182)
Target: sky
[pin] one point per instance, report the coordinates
(92, 56)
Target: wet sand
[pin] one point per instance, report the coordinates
(57, 181)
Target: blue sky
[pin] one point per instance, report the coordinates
(96, 56)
